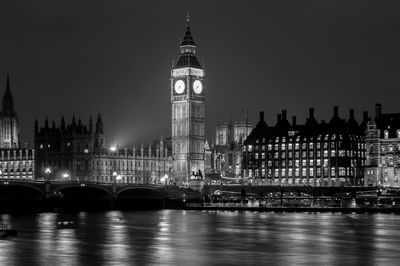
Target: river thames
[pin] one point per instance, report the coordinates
(177, 237)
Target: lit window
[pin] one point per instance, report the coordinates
(386, 133)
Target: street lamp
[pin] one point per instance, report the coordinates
(116, 177)
(65, 176)
(164, 179)
(47, 172)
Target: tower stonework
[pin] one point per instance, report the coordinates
(9, 127)
(188, 113)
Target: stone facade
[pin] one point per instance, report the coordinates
(17, 163)
(227, 151)
(79, 152)
(383, 150)
(188, 113)
(9, 127)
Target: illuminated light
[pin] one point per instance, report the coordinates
(113, 148)
(118, 177)
(47, 170)
(65, 175)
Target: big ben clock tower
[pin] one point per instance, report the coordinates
(188, 113)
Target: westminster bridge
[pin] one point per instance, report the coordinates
(53, 195)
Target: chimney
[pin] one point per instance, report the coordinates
(335, 111)
(365, 116)
(278, 118)
(294, 120)
(284, 115)
(351, 114)
(261, 116)
(378, 110)
(311, 113)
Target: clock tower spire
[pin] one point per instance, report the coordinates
(188, 113)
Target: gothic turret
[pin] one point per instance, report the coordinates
(188, 57)
(8, 101)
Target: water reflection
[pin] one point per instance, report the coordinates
(173, 237)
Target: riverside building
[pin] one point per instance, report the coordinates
(313, 154)
(383, 150)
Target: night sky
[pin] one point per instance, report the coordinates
(114, 57)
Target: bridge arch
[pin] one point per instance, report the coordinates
(141, 191)
(22, 189)
(83, 187)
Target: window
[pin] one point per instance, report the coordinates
(386, 134)
(318, 162)
(304, 172)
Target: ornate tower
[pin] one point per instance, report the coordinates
(9, 128)
(188, 113)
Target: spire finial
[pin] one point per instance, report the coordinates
(8, 81)
(187, 17)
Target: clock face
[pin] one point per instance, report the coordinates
(197, 86)
(179, 86)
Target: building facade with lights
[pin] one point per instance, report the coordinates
(313, 154)
(383, 150)
(15, 162)
(78, 152)
(227, 151)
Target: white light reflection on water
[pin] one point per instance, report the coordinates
(116, 247)
(174, 237)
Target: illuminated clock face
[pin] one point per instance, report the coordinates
(197, 86)
(179, 86)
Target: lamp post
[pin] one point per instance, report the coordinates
(66, 176)
(47, 172)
